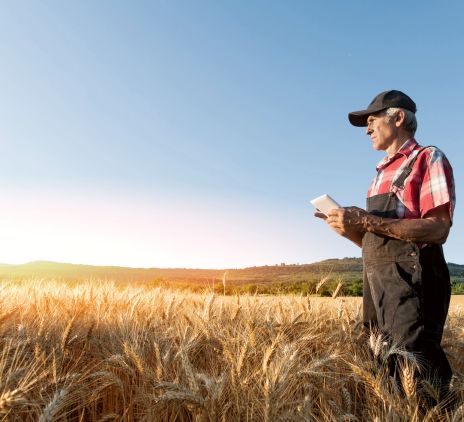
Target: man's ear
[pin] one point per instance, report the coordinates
(399, 118)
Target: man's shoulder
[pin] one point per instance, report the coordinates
(430, 154)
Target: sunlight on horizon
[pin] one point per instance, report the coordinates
(111, 230)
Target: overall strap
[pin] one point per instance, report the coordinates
(399, 181)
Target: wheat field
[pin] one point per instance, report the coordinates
(97, 352)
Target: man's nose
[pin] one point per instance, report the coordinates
(369, 130)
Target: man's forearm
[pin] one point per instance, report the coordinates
(354, 222)
(418, 230)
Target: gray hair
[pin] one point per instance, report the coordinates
(410, 121)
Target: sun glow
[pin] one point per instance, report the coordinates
(129, 231)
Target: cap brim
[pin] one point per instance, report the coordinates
(359, 118)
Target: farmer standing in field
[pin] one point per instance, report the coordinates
(406, 287)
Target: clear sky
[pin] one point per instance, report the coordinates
(194, 133)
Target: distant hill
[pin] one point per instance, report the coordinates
(348, 268)
(77, 272)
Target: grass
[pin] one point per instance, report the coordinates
(102, 353)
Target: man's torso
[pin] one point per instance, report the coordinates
(429, 185)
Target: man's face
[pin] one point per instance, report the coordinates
(382, 130)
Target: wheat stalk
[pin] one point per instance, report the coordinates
(159, 361)
(9, 399)
(224, 277)
(109, 417)
(66, 334)
(269, 353)
(376, 341)
(323, 280)
(337, 289)
(208, 307)
(459, 414)
(182, 396)
(7, 315)
(130, 353)
(52, 408)
(189, 371)
(408, 381)
(347, 399)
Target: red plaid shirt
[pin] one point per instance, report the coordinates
(429, 185)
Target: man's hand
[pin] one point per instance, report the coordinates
(347, 220)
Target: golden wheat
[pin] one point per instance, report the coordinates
(97, 352)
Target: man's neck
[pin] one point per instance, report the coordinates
(396, 145)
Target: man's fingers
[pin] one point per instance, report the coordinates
(319, 214)
(335, 212)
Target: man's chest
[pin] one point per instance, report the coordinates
(408, 193)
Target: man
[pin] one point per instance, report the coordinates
(406, 289)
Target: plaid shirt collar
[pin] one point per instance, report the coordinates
(409, 146)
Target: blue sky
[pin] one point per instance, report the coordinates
(194, 134)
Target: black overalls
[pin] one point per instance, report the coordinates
(406, 290)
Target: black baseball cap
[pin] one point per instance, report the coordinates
(381, 102)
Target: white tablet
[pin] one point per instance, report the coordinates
(325, 203)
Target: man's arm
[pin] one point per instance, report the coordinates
(432, 229)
